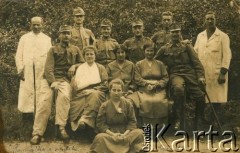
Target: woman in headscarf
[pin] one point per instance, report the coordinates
(89, 86)
(117, 123)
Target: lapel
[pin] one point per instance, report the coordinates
(125, 64)
(214, 35)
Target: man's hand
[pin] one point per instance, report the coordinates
(21, 75)
(202, 81)
(150, 87)
(187, 41)
(221, 78)
(55, 85)
(71, 71)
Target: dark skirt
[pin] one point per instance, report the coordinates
(84, 107)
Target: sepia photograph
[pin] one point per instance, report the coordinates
(119, 76)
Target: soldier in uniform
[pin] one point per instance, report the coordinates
(106, 46)
(134, 45)
(163, 36)
(62, 61)
(81, 36)
(186, 79)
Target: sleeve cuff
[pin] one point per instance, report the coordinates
(223, 70)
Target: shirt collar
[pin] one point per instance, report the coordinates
(177, 44)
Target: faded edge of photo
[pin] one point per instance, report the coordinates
(2, 147)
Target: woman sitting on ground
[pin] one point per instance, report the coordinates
(89, 88)
(117, 123)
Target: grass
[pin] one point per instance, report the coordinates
(17, 130)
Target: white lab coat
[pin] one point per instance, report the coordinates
(214, 53)
(32, 49)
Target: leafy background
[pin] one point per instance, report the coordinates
(15, 18)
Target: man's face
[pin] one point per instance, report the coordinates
(176, 35)
(65, 36)
(166, 21)
(116, 92)
(210, 20)
(106, 31)
(137, 30)
(36, 26)
(78, 19)
(120, 55)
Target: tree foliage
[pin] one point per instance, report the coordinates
(15, 18)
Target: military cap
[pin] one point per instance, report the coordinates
(167, 13)
(175, 27)
(78, 11)
(64, 28)
(137, 22)
(106, 23)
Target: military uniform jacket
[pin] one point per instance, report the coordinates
(134, 48)
(59, 60)
(82, 37)
(161, 38)
(180, 59)
(105, 50)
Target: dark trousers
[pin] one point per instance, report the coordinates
(189, 111)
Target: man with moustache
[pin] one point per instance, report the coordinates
(30, 60)
(81, 36)
(134, 45)
(186, 77)
(62, 61)
(213, 49)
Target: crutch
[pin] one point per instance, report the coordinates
(214, 112)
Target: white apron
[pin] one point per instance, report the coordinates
(214, 53)
(32, 49)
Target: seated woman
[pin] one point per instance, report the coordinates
(122, 69)
(89, 87)
(117, 123)
(151, 78)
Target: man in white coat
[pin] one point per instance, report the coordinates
(213, 49)
(30, 61)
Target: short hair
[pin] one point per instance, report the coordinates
(120, 47)
(36, 18)
(115, 81)
(167, 13)
(137, 22)
(211, 12)
(90, 47)
(148, 45)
